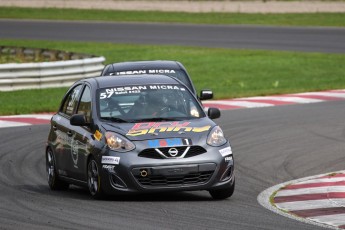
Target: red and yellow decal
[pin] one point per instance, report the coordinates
(152, 127)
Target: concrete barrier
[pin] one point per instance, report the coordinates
(61, 73)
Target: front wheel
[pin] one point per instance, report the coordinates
(221, 194)
(54, 181)
(94, 179)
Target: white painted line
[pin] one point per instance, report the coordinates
(334, 220)
(327, 94)
(301, 191)
(287, 99)
(246, 104)
(36, 116)
(309, 204)
(6, 124)
(338, 202)
(322, 180)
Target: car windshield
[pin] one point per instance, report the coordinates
(155, 102)
(179, 74)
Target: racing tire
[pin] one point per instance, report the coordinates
(54, 181)
(221, 194)
(94, 179)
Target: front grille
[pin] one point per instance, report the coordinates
(175, 180)
(154, 154)
(195, 150)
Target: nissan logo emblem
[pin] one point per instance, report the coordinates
(173, 152)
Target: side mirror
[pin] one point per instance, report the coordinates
(78, 120)
(213, 113)
(206, 94)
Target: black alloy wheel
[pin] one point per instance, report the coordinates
(54, 181)
(93, 179)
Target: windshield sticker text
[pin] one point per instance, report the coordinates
(136, 89)
(121, 90)
(144, 71)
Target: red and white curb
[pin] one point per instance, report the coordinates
(239, 103)
(318, 199)
(286, 99)
(24, 120)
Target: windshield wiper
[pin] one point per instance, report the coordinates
(115, 119)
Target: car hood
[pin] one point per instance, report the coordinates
(191, 129)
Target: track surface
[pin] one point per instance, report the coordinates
(271, 145)
(240, 37)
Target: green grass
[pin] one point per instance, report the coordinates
(230, 73)
(31, 101)
(300, 19)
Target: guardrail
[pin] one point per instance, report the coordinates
(60, 73)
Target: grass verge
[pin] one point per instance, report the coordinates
(297, 19)
(229, 73)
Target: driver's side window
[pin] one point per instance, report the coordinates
(85, 104)
(71, 101)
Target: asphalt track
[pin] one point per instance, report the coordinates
(270, 145)
(240, 37)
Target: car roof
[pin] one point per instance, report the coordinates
(147, 65)
(156, 65)
(106, 81)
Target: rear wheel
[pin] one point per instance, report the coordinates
(53, 180)
(94, 179)
(221, 194)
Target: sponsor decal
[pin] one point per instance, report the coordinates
(74, 152)
(107, 93)
(98, 135)
(227, 159)
(110, 160)
(168, 142)
(165, 87)
(145, 71)
(152, 127)
(76, 146)
(110, 168)
(226, 151)
(122, 90)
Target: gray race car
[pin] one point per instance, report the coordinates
(135, 134)
(165, 67)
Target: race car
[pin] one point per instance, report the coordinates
(137, 134)
(170, 68)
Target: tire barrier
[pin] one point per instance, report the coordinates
(63, 69)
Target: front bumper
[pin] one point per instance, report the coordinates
(207, 171)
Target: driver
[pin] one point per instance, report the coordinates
(158, 103)
(155, 103)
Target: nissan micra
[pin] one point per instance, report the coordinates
(135, 134)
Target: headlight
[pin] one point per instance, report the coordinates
(118, 143)
(216, 137)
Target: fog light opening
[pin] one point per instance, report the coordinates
(227, 174)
